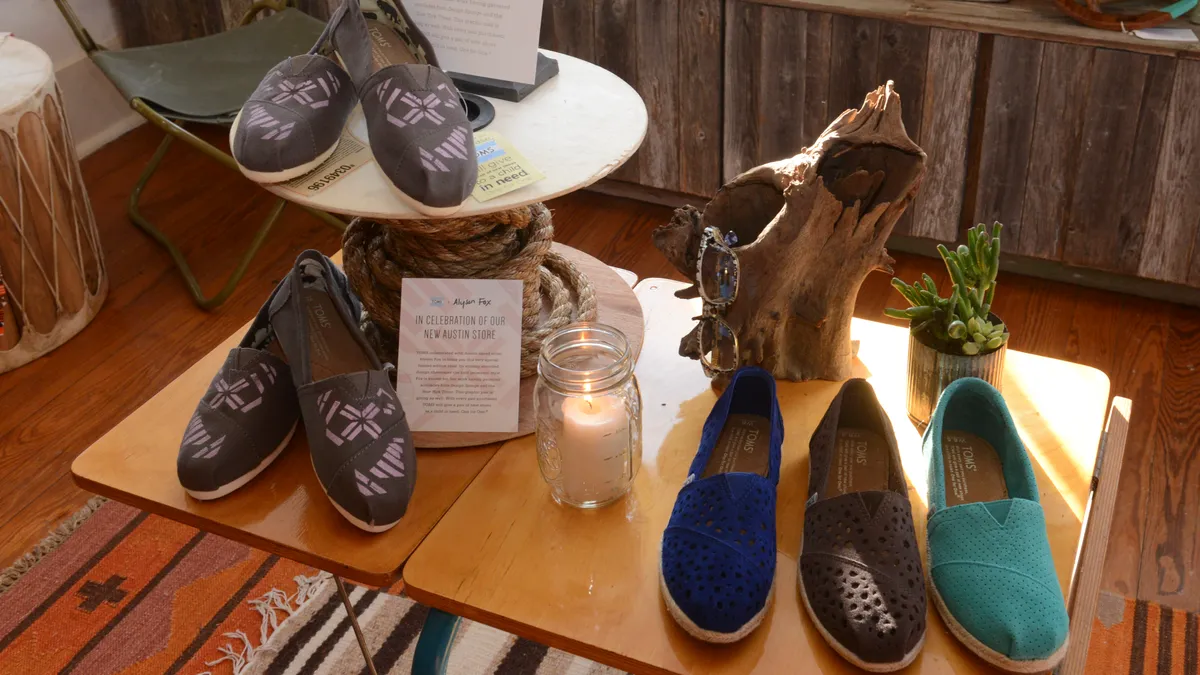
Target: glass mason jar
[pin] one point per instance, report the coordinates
(589, 415)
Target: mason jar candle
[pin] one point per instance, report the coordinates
(589, 415)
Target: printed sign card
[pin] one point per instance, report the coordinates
(485, 38)
(501, 168)
(459, 363)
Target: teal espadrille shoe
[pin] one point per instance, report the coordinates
(990, 569)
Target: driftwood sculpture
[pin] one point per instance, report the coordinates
(810, 229)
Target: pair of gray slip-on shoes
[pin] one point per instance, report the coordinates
(305, 357)
(416, 125)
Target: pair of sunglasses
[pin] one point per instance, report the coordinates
(717, 273)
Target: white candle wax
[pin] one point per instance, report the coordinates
(594, 447)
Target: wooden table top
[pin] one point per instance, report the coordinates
(587, 582)
(283, 510)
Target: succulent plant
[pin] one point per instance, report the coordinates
(959, 322)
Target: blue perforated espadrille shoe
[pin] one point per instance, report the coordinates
(718, 552)
(990, 567)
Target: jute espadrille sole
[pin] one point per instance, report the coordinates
(707, 635)
(845, 653)
(987, 653)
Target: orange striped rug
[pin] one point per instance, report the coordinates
(115, 590)
(1142, 638)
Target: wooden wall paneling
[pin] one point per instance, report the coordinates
(322, 9)
(700, 96)
(153, 23)
(232, 11)
(617, 51)
(1175, 202)
(1143, 166)
(1171, 547)
(1093, 236)
(656, 25)
(1008, 131)
(818, 40)
(945, 128)
(568, 27)
(903, 51)
(781, 84)
(854, 71)
(1062, 97)
(743, 37)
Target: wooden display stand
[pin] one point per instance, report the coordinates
(51, 264)
(576, 128)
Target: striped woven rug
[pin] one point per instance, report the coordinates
(1142, 638)
(116, 590)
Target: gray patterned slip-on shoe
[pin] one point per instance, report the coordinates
(416, 125)
(245, 419)
(293, 120)
(359, 439)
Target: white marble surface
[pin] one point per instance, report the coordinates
(576, 128)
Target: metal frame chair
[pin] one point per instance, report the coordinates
(163, 120)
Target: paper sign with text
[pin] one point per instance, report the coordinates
(459, 363)
(501, 168)
(486, 38)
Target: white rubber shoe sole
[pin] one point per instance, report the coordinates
(846, 653)
(270, 177)
(987, 653)
(245, 478)
(699, 633)
(362, 525)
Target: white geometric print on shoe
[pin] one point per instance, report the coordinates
(196, 434)
(392, 463)
(366, 486)
(455, 145)
(270, 371)
(419, 108)
(259, 117)
(360, 421)
(231, 394)
(306, 92)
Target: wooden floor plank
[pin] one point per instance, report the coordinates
(1170, 566)
(1137, 374)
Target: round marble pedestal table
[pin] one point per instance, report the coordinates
(576, 128)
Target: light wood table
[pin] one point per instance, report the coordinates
(284, 510)
(587, 581)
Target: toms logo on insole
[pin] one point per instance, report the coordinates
(751, 438)
(964, 451)
(318, 313)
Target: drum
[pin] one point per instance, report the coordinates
(52, 270)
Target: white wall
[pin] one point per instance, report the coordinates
(96, 112)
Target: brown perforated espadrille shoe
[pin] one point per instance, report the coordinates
(860, 568)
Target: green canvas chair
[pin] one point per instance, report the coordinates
(206, 81)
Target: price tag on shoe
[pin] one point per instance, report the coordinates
(459, 362)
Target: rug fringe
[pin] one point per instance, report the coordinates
(271, 606)
(57, 537)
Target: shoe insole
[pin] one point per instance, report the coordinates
(742, 447)
(972, 468)
(387, 48)
(332, 349)
(861, 463)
